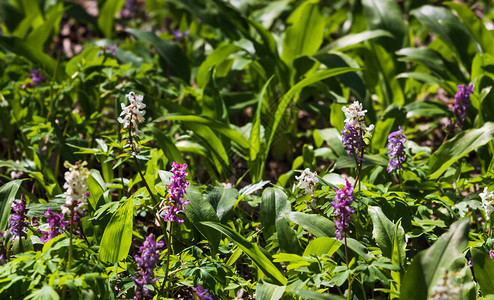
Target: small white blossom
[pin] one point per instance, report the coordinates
(445, 289)
(133, 114)
(307, 181)
(487, 202)
(355, 116)
(76, 187)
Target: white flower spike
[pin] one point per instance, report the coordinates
(487, 202)
(307, 181)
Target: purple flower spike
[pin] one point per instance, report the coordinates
(491, 253)
(37, 77)
(342, 201)
(353, 141)
(56, 223)
(396, 147)
(177, 188)
(462, 102)
(146, 263)
(18, 219)
(202, 293)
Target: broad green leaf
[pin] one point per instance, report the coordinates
(386, 15)
(475, 25)
(315, 224)
(351, 40)
(215, 125)
(428, 109)
(40, 34)
(426, 56)
(459, 146)
(106, 19)
(253, 251)
(167, 146)
(443, 22)
(321, 246)
(429, 265)
(117, 238)
(268, 291)
(225, 206)
(386, 236)
(97, 187)
(255, 135)
(483, 268)
(217, 56)
(8, 192)
(273, 209)
(198, 210)
(311, 295)
(46, 292)
(170, 53)
(287, 98)
(212, 103)
(305, 31)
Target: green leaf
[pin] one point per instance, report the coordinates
(107, 14)
(305, 31)
(215, 125)
(274, 207)
(198, 210)
(428, 109)
(40, 34)
(225, 206)
(219, 54)
(311, 295)
(315, 224)
(443, 22)
(483, 268)
(475, 25)
(429, 265)
(97, 187)
(351, 40)
(213, 105)
(46, 292)
(170, 53)
(459, 146)
(268, 291)
(383, 232)
(321, 246)
(386, 15)
(287, 98)
(253, 251)
(117, 238)
(167, 146)
(8, 192)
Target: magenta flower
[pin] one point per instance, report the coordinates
(18, 219)
(491, 253)
(343, 199)
(353, 142)
(146, 263)
(396, 147)
(202, 293)
(177, 188)
(56, 223)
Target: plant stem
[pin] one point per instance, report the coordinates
(168, 250)
(70, 241)
(347, 266)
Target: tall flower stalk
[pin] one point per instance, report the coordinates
(18, 220)
(146, 263)
(460, 106)
(76, 197)
(355, 133)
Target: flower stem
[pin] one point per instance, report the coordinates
(168, 250)
(70, 242)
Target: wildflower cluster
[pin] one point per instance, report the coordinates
(355, 130)
(146, 263)
(396, 148)
(56, 223)
(201, 293)
(460, 106)
(76, 187)
(130, 117)
(342, 202)
(307, 181)
(18, 219)
(487, 202)
(177, 188)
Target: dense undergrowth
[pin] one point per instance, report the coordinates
(246, 149)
